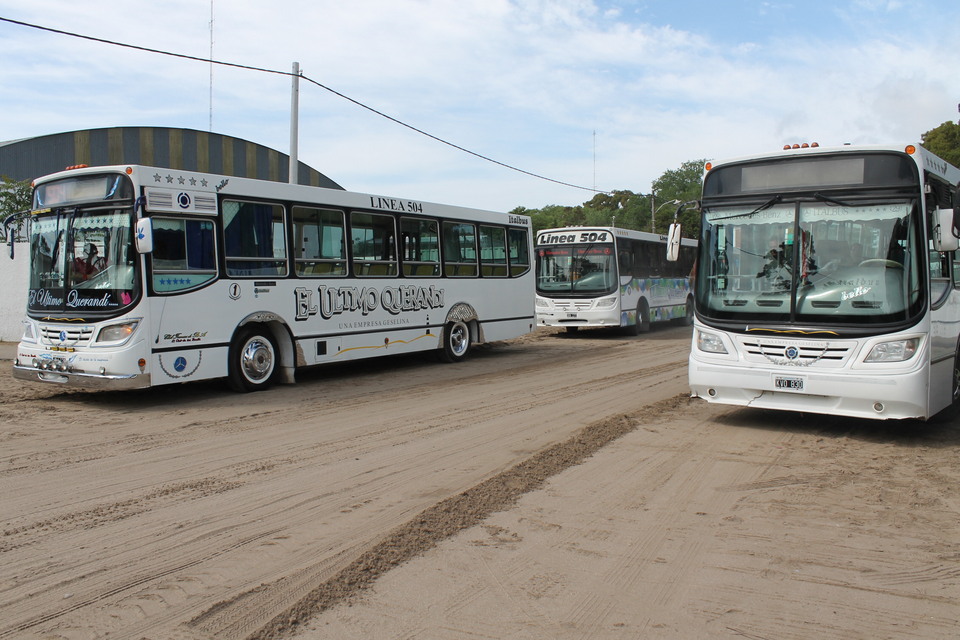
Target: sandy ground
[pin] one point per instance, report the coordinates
(550, 487)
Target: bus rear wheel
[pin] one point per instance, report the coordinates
(253, 360)
(456, 342)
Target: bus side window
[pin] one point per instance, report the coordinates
(374, 244)
(420, 247)
(318, 242)
(185, 248)
(493, 251)
(519, 252)
(254, 239)
(459, 249)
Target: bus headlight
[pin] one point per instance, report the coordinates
(607, 303)
(542, 303)
(894, 351)
(117, 334)
(710, 342)
(29, 332)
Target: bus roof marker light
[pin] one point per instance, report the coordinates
(708, 166)
(910, 149)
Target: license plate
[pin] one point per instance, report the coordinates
(784, 383)
(571, 315)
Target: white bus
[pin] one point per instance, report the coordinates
(143, 276)
(828, 282)
(610, 277)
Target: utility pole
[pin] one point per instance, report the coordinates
(294, 124)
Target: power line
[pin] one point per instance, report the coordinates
(211, 61)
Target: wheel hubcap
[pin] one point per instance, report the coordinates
(458, 340)
(257, 359)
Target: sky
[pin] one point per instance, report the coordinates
(549, 101)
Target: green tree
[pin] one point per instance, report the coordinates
(15, 196)
(683, 184)
(944, 141)
(629, 210)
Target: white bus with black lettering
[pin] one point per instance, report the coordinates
(828, 281)
(144, 276)
(610, 277)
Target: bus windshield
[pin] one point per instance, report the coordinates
(82, 257)
(816, 262)
(576, 269)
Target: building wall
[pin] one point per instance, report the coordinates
(13, 291)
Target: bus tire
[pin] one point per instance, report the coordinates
(456, 342)
(253, 360)
(687, 318)
(642, 325)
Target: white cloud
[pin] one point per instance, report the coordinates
(526, 83)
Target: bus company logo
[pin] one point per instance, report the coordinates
(180, 364)
(939, 167)
(334, 301)
(791, 353)
(512, 219)
(184, 200)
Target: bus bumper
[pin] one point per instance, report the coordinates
(885, 397)
(610, 318)
(81, 380)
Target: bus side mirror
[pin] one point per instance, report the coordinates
(945, 230)
(673, 242)
(144, 237)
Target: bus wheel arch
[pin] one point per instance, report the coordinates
(261, 353)
(461, 330)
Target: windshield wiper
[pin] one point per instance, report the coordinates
(766, 205)
(822, 198)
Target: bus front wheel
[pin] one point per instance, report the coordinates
(642, 325)
(456, 342)
(253, 360)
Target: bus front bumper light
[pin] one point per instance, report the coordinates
(710, 342)
(894, 351)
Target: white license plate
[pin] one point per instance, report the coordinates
(788, 383)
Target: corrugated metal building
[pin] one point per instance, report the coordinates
(185, 149)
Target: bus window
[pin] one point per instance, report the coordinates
(185, 248)
(519, 252)
(372, 237)
(421, 247)
(253, 239)
(459, 249)
(318, 244)
(493, 251)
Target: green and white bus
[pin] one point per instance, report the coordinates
(611, 277)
